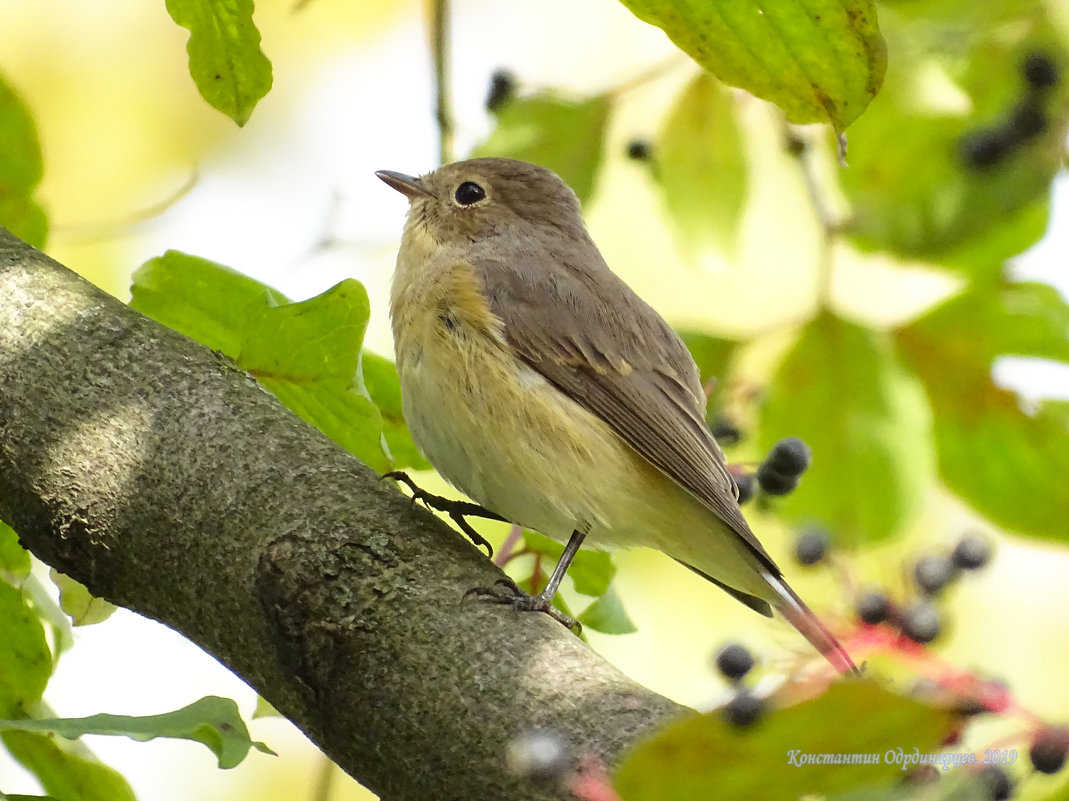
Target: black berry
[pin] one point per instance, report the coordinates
(795, 144)
(639, 150)
(996, 782)
(1039, 71)
(873, 607)
(774, 482)
(971, 553)
(746, 484)
(811, 546)
(502, 89)
(970, 707)
(983, 149)
(734, 661)
(789, 456)
(1027, 121)
(538, 755)
(725, 431)
(744, 709)
(922, 623)
(932, 574)
(1049, 749)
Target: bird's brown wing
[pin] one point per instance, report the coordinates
(593, 338)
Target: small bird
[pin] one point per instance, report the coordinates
(540, 385)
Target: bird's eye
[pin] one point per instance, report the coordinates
(469, 193)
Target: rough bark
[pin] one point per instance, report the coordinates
(168, 481)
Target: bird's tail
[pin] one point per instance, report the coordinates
(809, 626)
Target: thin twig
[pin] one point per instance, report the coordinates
(648, 75)
(801, 150)
(88, 233)
(443, 101)
(507, 550)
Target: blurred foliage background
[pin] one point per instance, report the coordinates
(900, 306)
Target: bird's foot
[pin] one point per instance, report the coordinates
(505, 591)
(455, 509)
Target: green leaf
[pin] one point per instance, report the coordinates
(703, 757)
(14, 559)
(867, 423)
(225, 60)
(913, 185)
(21, 168)
(41, 602)
(566, 136)
(912, 195)
(1021, 318)
(307, 354)
(701, 166)
(607, 615)
(83, 608)
(1009, 464)
(206, 301)
(380, 376)
(65, 770)
(953, 784)
(1057, 410)
(818, 60)
(533, 542)
(591, 571)
(264, 709)
(25, 661)
(983, 254)
(212, 721)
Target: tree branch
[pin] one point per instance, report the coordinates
(168, 481)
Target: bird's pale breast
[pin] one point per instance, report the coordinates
(507, 438)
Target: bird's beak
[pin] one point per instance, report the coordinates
(407, 185)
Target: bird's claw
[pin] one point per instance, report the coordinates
(455, 509)
(505, 591)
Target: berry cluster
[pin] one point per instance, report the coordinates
(922, 620)
(734, 661)
(778, 474)
(1047, 755)
(781, 470)
(986, 147)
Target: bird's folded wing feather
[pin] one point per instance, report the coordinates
(616, 357)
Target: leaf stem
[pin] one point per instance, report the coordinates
(324, 780)
(648, 75)
(88, 233)
(801, 149)
(508, 547)
(439, 24)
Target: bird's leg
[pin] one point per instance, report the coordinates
(455, 509)
(543, 601)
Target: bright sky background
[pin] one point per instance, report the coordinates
(292, 200)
